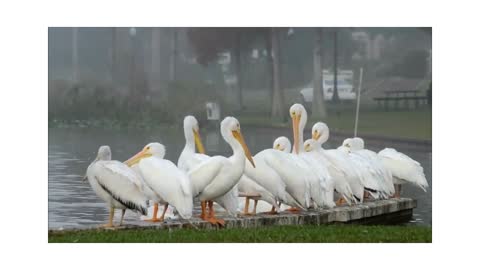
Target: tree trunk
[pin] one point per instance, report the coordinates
(113, 58)
(238, 69)
(278, 101)
(173, 55)
(74, 55)
(335, 97)
(318, 103)
(268, 46)
(155, 69)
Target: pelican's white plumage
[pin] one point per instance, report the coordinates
(320, 167)
(164, 178)
(151, 195)
(339, 167)
(404, 169)
(216, 176)
(276, 175)
(344, 168)
(383, 175)
(189, 159)
(316, 175)
(118, 185)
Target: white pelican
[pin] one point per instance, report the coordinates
(299, 120)
(116, 184)
(382, 174)
(340, 160)
(340, 170)
(249, 186)
(404, 169)
(218, 175)
(189, 159)
(278, 176)
(151, 195)
(164, 178)
(320, 183)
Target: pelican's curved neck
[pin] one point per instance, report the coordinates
(238, 152)
(189, 140)
(323, 138)
(301, 127)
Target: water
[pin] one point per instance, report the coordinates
(73, 204)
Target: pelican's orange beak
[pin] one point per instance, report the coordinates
(296, 127)
(238, 136)
(198, 142)
(136, 158)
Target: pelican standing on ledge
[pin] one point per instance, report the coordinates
(344, 168)
(404, 170)
(382, 174)
(117, 184)
(321, 191)
(189, 159)
(151, 195)
(218, 175)
(319, 167)
(164, 178)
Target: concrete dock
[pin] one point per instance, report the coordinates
(391, 211)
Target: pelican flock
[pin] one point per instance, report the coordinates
(303, 176)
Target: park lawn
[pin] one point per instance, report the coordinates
(280, 234)
(395, 124)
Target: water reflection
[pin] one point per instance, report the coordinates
(72, 203)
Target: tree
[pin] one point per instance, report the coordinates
(173, 55)
(155, 69)
(208, 43)
(318, 104)
(74, 54)
(278, 100)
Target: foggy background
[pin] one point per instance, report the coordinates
(162, 74)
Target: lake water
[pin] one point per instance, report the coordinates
(73, 204)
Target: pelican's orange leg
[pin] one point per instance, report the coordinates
(162, 218)
(255, 207)
(154, 217)
(110, 219)
(247, 204)
(340, 201)
(203, 215)
(293, 209)
(211, 217)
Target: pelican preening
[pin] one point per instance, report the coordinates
(301, 178)
(117, 184)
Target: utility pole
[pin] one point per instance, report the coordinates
(359, 91)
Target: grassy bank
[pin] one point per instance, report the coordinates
(283, 234)
(397, 124)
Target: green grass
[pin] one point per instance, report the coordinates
(281, 234)
(398, 124)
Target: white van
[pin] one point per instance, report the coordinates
(345, 87)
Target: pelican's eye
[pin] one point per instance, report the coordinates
(347, 145)
(278, 145)
(148, 148)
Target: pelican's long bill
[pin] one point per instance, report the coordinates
(296, 127)
(238, 136)
(136, 158)
(198, 142)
